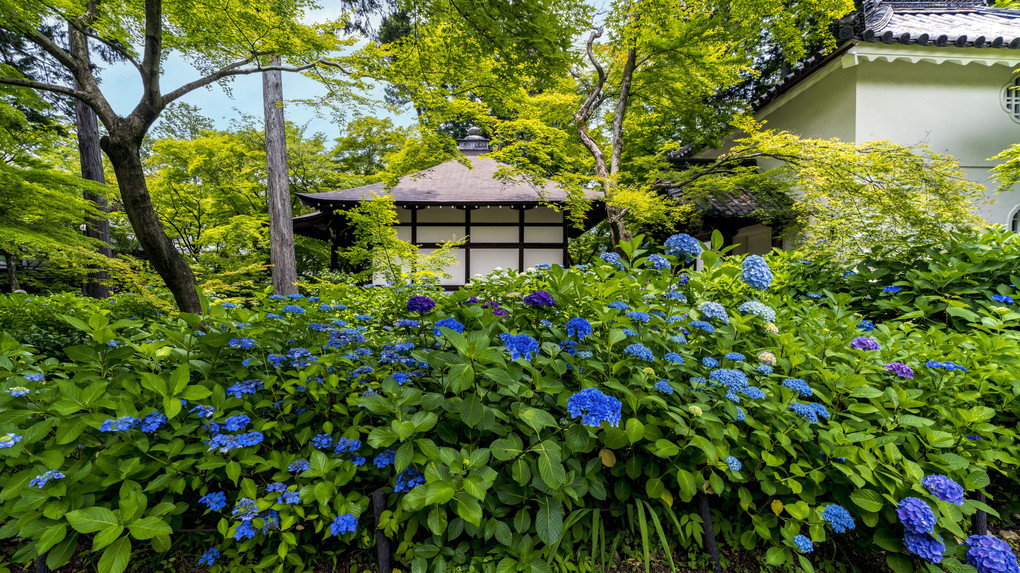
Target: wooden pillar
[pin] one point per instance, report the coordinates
(96, 283)
(281, 227)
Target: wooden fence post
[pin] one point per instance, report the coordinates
(981, 518)
(384, 552)
(710, 544)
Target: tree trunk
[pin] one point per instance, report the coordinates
(12, 274)
(96, 283)
(158, 248)
(281, 225)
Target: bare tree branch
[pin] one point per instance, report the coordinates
(235, 69)
(46, 87)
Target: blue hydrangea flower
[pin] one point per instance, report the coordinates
(34, 377)
(358, 460)
(209, 557)
(805, 411)
(408, 480)
(246, 509)
(740, 414)
(638, 316)
(276, 486)
(245, 531)
(384, 459)
(243, 343)
(298, 466)
(664, 387)
(658, 262)
(838, 518)
(734, 356)
(892, 289)
(236, 423)
(40, 480)
(943, 488)
(629, 332)
(767, 313)
(927, 546)
(294, 309)
(578, 327)
(866, 325)
(915, 515)
(122, 424)
(295, 296)
(733, 463)
(803, 544)
(714, 311)
(619, 305)
(799, 386)
(594, 407)
(344, 523)
(613, 259)
(764, 369)
(990, 555)
(709, 362)
(152, 422)
(322, 441)
(728, 377)
(346, 445)
(215, 501)
(675, 295)
(639, 351)
(245, 387)
(683, 245)
(17, 391)
(363, 317)
(679, 338)
(1002, 298)
(451, 323)
(757, 274)
(674, 358)
(520, 345)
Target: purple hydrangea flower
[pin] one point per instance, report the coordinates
(865, 343)
(944, 488)
(915, 515)
(420, 304)
(900, 369)
(990, 555)
(539, 298)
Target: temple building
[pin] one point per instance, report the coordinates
(509, 223)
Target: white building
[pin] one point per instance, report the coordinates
(933, 72)
(508, 222)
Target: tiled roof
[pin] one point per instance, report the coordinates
(733, 205)
(447, 183)
(935, 22)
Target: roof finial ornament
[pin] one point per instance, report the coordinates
(475, 143)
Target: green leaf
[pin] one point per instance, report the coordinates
(549, 520)
(115, 557)
(62, 552)
(688, 485)
(865, 392)
(461, 378)
(507, 448)
(635, 430)
(382, 437)
(53, 535)
(91, 519)
(107, 536)
(899, 563)
(867, 500)
(439, 492)
(775, 556)
(665, 448)
(550, 468)
(472, 412)
(149, 527)
(469, 509)
(538, 419)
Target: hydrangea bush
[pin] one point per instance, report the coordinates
(507, 424)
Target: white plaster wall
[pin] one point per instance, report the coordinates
(823, 106)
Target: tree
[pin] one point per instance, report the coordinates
(223, 43)
(898, 198)
(661, 64)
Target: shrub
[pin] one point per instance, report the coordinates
(506, 435)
